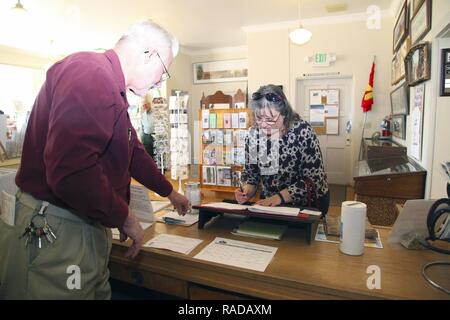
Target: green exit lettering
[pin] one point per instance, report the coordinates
(321, 58)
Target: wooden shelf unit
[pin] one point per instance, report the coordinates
(219, 97)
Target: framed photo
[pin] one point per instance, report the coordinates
(400, 28)
(421, 22)
(209, 175)
(224, 176)
(445, 73)
(398, 72)
(414, 6)
(220, 71)
(417, 121)
(417, 63)
(399, 100)
(399, 126)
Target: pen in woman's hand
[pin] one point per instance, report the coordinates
(241, 186)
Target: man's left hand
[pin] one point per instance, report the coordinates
(273, 201)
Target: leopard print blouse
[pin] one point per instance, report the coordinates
(297, 165)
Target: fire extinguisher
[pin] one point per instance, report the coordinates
(386, 128)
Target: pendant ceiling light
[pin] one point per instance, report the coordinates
(300, 35)
(18, 8)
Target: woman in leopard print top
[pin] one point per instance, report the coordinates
(282, 152)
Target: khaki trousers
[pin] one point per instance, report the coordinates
(75, 266)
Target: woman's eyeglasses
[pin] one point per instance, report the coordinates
(270, 96)
(271, 120)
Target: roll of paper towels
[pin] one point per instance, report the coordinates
(353, 227)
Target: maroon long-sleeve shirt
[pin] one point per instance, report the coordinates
(80, 148)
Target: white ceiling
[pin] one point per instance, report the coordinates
(198, 24)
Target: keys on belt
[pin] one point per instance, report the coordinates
(34, 233)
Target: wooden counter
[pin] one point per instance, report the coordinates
(298, 270)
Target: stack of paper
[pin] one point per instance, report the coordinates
(116, 233)
(186, 220)
(261, 230)
(173, 243)
(160, 205)
(140, 203)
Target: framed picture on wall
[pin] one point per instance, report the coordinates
(418, 97)
(398, 72)
(421, 22)
(445, 72)
(418, 64)
(414, 7)
(220, 71)
(400, 28)
(399, 100)
(399, 126)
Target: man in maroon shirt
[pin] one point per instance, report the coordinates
(79, 153)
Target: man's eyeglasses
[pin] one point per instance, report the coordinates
(165, 76)
(270, 96)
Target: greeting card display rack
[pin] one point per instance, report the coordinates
(225, 121)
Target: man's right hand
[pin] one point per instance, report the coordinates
(132, 228)
(246, 194)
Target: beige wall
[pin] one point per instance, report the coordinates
(436, 146)
(273, 59)
(22, 58)
(182, 78)
(180, 74)
(268, 59)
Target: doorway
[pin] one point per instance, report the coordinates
(335, 148)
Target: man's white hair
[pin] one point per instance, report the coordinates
(147, 33)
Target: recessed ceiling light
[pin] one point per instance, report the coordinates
(336, 7)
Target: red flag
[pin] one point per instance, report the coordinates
(367, 100)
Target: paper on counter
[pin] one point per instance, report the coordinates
(160, 205)
(189, 219)
(140, 203)
(116, 233)
(173, 243)
(412, 219)
(368, 243)
(240, 254)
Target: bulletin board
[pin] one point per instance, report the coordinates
(324, 111)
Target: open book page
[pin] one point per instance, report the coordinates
(285, 211)
(226, 205)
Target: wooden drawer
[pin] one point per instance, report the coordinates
(401, 186)
(153, 281)
(199, 292)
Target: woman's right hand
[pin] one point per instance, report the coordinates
(245, 194)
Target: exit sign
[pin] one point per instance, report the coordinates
(321, 59)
